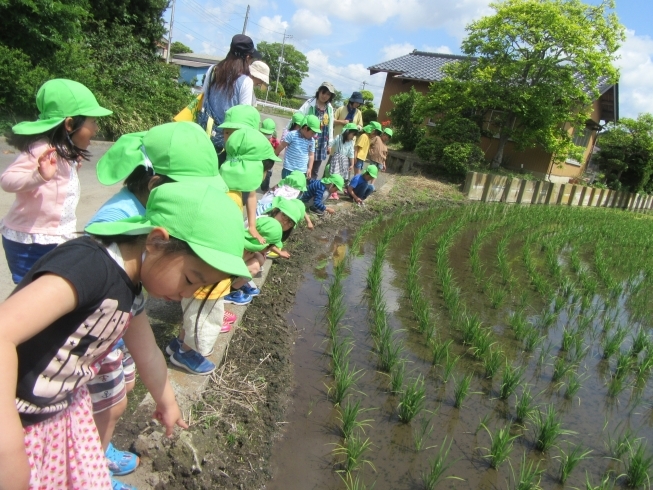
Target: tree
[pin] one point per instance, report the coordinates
(179, 48)
(536, 66)
(337, 99)
(407, 118)
(144, 17)
(626, 154)
(294, 69)
(368, 97)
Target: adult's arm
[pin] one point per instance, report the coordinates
(339, 115)
(246, 93)
(330, 107)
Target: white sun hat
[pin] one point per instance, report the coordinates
(260, 70)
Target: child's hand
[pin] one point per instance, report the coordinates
(254, 232)
(310, 226)
(48, 163)
(330, 210)
(169, 416)
(284, 254)
(358, 200)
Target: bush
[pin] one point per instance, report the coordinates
(407, 118)
(369, 115)
(458, 158)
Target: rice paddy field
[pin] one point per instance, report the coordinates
(479, 346)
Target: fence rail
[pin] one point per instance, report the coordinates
(496, 188)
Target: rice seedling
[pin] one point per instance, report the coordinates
(559, 303)
(344, 378)
(545, 353)
(354, 483)
(612, 343)
(641, 342)
(547, 428)
(567, 287)
(449, 365)
(482, 343)
(547, 318)
(497, 297)
(529, 477)
(570, 460)
(532, 339)
(606, 483)
(512, 376)
(388, 349)
(438, 466)
(340, 350)
(501, 444)
(524, 406)
(561, 367)
(616, 386)
(624, 363)
(492, 361)
(618, 446)
(353, 451)
(574, 384)
(517, 321)
(440, 351)
(397, 376)
(567, 339)
(349, 418)
(638, 465)
(421, 432)
(483, 422)
(461, 390)
(412, 399)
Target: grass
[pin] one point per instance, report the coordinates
(547, 428)
(492, 361)
(412, 399)
(354, 483)
(397, 376)
(421, 432)
(524, 406)
(438, 466)
(618, 446)
(340, 350)
(349, 418)
(573, 386)
(461, 390)
(638, 465)
(641, 342)
(440, 352)
(612, 343)
(500, 447)
(529, 477)
(512, 376)
(570, 460)
(561, 367)
(353, 451)
(449, 365)
(606, 483)
(344, 378)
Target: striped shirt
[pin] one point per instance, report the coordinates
(297, 151)
(315, 190)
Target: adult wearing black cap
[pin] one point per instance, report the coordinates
(227, 84)
(349, 113)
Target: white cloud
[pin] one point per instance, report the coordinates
(636, 66)
(190, 37)
(396, 50)
(307, 24)
(272, 25)
(347, 78)
(209, 48)
(413, 14)
(437, 49)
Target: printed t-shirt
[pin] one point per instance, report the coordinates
(66, 354)
(297, 151)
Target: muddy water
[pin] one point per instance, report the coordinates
(303, 458)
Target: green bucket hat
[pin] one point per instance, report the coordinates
(293, 208)
(296, 180)
(349, 126)
(270, 229)
(189, 212)
(58, 99)
(246, 149)
(373, 171)
(336, 180)
(241, 116)
(312, 122)
(368, 128)
(268, 126)
(297, 118)
(375, 125)
(180, 150)
(389, 132)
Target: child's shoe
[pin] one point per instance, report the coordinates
(251, 290)
(118, 485)
(313, 209)
(226, 328)
(272, 255)
(238, 297)
(228, 318)
(334, 196)
(173, 346)
(193, 362)
(120, 462)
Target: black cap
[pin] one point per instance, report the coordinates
(356, 97)
(243, 45)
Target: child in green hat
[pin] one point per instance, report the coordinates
(378, 149)
(173, 152)
(342, 154)
(289, 212)
(291, 188)
(320, 190)
(269, 130)
(44, 176)
(239, 117)
(300, 145)
(86, 290)
(361, 186)
(363, 143)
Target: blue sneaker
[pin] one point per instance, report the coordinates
(173, 346)
(120, 462)
(238, 297)
(193, 362)
(252, 291)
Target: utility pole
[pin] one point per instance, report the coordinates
(364, 83)
(172, 21)
(283, 44)
(246, 19)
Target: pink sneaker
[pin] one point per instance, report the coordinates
(334, 196)
(226, 327)
(228, 318)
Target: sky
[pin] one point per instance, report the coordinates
(343, 40)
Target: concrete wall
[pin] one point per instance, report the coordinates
(497, 188)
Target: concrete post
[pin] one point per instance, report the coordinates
(609, 199)
(525, 195)
(476, 185)
(494, 187)
(512, 190)
(603, 195)
(574, 198)
(540, 192)
(553, 193)
(565, 194)
(594, 197)
(585, 196)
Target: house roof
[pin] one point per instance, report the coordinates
(195, 59)
(418, 65)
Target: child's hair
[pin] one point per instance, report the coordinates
(349, 132)
(268, 164)
(286, 234)
(295, 127)
(170, 246)
(57, 137)
(139, 180)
